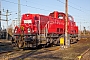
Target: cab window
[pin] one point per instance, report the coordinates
(70, 18)
(60, 16)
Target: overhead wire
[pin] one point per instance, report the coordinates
(78, 6)
(41, 8)
(42, 4)
(74, 8)
(79, 9)
(70, 6)
(27, 5)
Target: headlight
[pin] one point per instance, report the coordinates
(28, 30)
(15, 30)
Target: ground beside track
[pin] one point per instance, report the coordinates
(52, 53)
(5, 45)
(86, 55)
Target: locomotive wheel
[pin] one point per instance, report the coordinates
(14, 41)
(47, 42)
(58, 42)
(71, 41)
(20, 43)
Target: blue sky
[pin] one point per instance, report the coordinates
(79, 9)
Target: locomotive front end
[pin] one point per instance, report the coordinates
(25, 34)
(28, 23)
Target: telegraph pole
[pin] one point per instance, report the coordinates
(80, 29)
(7, 22)
(67, 41)
(7, 11)
(19, 12)
(0, 15)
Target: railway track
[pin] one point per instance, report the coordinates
(50, 53)
(8, 51)
(15, 53)
(85, 55)
(22, 54)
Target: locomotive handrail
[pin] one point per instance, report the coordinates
(46, 29)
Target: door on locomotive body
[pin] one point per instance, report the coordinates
(61, 23)
(37, 23)
(71, 29)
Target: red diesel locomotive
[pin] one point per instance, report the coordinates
(37, 29)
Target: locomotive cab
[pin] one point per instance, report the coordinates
(58, 15)
(60, 25)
